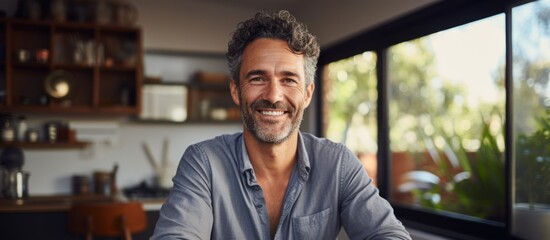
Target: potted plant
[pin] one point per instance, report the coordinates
(532, 208)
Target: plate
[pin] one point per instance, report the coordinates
(59, 84)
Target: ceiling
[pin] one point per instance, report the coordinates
(265, 4)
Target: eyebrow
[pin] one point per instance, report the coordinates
(290, 74)
(263, 72)
(254, 72)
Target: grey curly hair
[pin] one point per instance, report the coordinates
(277, 25)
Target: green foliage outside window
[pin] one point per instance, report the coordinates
(533, 164)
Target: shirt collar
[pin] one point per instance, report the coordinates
(302, 157)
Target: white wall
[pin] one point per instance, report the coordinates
(51, 170)
(187, 25)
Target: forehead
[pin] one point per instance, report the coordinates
(266, 53)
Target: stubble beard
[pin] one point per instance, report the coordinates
(263, 131)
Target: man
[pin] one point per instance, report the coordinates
(271, 181)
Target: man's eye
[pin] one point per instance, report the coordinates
(290, 81)
(256, 80)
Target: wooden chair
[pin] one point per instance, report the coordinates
(107, 219)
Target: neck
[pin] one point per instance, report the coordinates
(271, 160)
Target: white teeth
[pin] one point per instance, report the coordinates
(272, 113)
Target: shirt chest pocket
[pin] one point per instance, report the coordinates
(314, 226)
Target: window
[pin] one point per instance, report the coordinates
(446, 108)
(350, 96)
(531, 101)
(453, 100)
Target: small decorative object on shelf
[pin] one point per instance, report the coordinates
(7, 128)
(32, 135)
(42, 55)
(21, 128)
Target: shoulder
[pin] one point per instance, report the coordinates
(317, 144)
(219, 142)
(216, 150)
(326, 153)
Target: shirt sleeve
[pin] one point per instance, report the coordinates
(187, 213)
(364, 214)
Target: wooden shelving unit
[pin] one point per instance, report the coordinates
(104, 64)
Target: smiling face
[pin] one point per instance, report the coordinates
(271, 94)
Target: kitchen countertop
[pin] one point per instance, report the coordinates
(63, 203)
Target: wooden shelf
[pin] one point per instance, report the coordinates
(45, 145)
(95, 86)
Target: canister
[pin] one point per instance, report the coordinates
(81, 185)
(102, 183)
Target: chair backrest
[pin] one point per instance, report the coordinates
(107, 219)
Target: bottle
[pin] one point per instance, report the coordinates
(21, 128)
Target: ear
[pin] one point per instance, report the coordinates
(309, 94)
(234, 92)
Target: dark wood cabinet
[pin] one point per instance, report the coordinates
(101, 63)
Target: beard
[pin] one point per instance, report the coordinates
(269, 131)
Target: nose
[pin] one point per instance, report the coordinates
(273, 92)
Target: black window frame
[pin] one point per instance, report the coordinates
(436, 17)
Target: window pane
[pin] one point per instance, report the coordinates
(350, 97)
(531, 73)
(446, 107)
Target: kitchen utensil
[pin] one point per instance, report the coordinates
(16, 184)
(149, 156)
(163, 172)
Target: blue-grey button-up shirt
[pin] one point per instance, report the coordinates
(216, 196)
